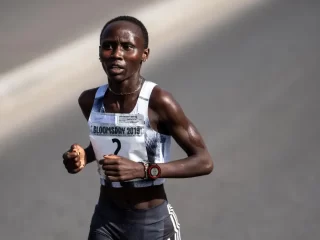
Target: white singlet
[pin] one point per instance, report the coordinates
(128, 135)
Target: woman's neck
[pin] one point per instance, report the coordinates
(125, 87)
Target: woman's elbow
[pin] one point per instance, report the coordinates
(208, 164)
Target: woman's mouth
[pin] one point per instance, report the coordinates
(115, 69)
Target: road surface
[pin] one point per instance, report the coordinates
(34, 27)
(251, 88)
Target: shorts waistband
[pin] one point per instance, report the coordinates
(112, 212)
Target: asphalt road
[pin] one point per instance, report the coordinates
(34, 27)
(251, 89)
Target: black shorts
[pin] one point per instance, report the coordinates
(109, 222)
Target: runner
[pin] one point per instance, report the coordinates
(131, 122)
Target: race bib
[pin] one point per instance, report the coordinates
(119, 134)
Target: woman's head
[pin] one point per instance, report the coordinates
(123, 47)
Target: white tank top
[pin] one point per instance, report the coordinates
(128, 135)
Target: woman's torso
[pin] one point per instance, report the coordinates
(123, 126)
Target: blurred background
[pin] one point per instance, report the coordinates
(245, 72)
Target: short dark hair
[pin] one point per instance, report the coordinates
(134, 21)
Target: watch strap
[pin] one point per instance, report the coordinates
(146, 166)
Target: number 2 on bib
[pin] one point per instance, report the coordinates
(115, 140)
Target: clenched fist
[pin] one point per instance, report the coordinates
(74, 159)
(118, 168)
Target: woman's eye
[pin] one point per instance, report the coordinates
(127, 46)
(106, 46)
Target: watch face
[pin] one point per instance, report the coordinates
(154, 171)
